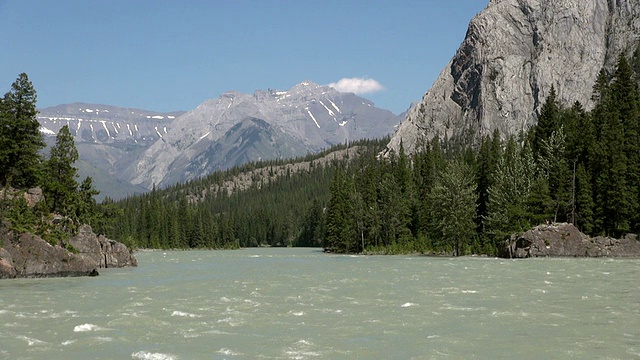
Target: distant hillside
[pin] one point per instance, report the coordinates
(261, 203)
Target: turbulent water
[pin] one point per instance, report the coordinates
(303, 304)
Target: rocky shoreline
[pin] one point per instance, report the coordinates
(565, 240)
(29, 256)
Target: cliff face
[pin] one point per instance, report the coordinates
(513, 52)
(27, 255)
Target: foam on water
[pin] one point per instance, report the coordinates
(146, 355)
(184, 314)
(302, 350)
(87, 327)
(225, 351)
(31, 341)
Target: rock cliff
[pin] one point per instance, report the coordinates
(513, 52)
(565, 240)
(27, 255)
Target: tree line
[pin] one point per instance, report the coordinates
(268, 213)
(573, 166)
(23, 166)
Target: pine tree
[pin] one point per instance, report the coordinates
(453, 204)
(612, 192)
(20, 137)
(513, 181)
(488, 155)
(61, 185)
(87, 207)
(584, 201)
(553, 165)
(340, 229)
(548, 121)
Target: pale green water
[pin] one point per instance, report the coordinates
(302, 304)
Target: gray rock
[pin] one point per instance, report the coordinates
(565, 240)
(27, 255)
(513, 52)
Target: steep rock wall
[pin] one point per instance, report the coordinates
(513, 52)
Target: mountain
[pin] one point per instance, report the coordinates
(513, 53)
(236, 128)
(108, 139)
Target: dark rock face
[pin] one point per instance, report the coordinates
(565, 240)
(27, 255)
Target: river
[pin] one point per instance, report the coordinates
(303, 304)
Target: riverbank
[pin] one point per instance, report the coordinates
(24, 255)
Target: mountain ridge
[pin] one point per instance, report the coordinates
(306, 118)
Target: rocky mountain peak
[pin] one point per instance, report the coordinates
(274, 124)
(513, 53)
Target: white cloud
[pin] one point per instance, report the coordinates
(357, 85)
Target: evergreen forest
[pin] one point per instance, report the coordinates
(453, 196)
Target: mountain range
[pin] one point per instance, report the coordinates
(513, 54)
(131, 150)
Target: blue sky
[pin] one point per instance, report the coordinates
(168, 55)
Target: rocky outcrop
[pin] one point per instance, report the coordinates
(565, 240)
(513, 52)
(32, 196)
(27, 255)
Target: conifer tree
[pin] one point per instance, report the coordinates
(87, 207)
(584, 201)
(611, 188)
(20, 137)
(339, 228)
(548, 121)
(488, 156)
(513, 181)
(61, 185)
(453, 204)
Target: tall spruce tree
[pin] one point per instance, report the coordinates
(513, 181)
(340, 232)
(20, 137)
(584, 201)
(548, 121)
(61, 186)
(453, 204)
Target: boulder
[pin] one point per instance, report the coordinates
(28, 255)
(565, 240)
